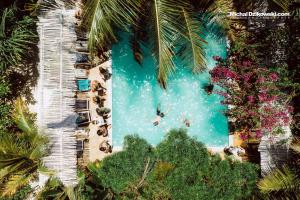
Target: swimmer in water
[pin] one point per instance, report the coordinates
(159, 116)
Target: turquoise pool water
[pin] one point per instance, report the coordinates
(136, 94)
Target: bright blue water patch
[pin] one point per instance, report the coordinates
(136, 94)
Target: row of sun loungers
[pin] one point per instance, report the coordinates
(88, 93)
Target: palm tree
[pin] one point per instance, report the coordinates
(55, 190)
(84, 190)
(170, 27)
(284, 181)
(21, 152)
(16, 38)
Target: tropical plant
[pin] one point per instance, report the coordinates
(284, 181)
(16, 38)
(289, 6)
(178, 168)
(170, 27)
(257, 103)
(21, 152)
(5, 119)
(86, 189)
(55, 190)
(21, 194)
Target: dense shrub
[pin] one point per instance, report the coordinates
(258, 105)
(180, 167)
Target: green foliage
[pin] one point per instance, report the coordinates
(16, 38)
(5, 119)
(278, 180)
(124, 167)
(21, 152)
(282, 182)
(86, 189)
(21, 194)
(4, 88)
(18, 57)
(163, 24)
(54, 189)
(180, 167)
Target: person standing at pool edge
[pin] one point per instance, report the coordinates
(159, 116)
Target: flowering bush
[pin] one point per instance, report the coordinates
(256, 103)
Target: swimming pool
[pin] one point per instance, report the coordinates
(136, 94)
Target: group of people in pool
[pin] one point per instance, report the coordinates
(159, 114)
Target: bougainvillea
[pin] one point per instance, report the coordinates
(255, 102)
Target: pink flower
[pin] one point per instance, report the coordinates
(246, 63)
(215, 79)
(290, 109)
(272, 98)
(261, 79)
(247, 77)
(273, 76)
(262, 96)
(244, 136)
(258, 133)
(221, 93)
(250, 99)
(251, 113)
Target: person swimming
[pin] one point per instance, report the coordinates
(159, 116)
(187, 122)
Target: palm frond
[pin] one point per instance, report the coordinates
(22, 118)
(216, 18)
(103, 16)
(296, 145)
(16, 182)
(54, 189)
(279, 180)
(16, 38)
(163, 29)
(283, 4)
(21, 153)
(193, 45)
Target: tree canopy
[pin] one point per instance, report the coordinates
(169, 27)
(180, 167)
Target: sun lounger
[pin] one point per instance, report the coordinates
(83, 65)
(81, 73)
(79, 148)
(79, 145)
(82, 104)
(82, 58)
(83, 85)
(83, 119)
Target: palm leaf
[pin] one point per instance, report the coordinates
(21, 153)
(16, 182)
(163, 29)
(279, 180)
(103, 16)
(54, 189)
(283, 4)
(22, 118)
(15, 38)
(193, 50)
(296, 145)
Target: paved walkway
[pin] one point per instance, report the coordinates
(55, 91)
